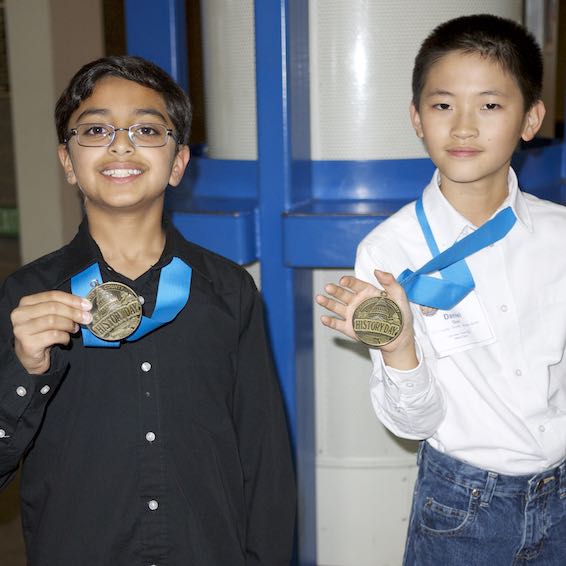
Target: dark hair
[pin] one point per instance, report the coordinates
(131, 68)
(500, 40)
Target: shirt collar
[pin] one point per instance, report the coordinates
(450, 226)
(83, 251)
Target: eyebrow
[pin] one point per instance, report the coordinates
(440, 92)
(492, 93)
(105, 112)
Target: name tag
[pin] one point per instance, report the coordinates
(462, 328)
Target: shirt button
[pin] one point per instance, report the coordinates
(150, 436)
(153, 505)
(518, 372)
(2, 433)
(21, 391)
(542, 428)
(146, 366)
(141, 300)
(410, 385)
(503, 308)
(45, 389)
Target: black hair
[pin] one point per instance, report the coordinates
(131, 68)
(501, 40)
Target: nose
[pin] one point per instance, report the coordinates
(465, 125)
(121, 144)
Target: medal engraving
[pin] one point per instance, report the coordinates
(377, 321)
(116, 311)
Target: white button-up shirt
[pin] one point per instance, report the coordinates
(500, 406)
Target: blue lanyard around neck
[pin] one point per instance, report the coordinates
(456, 280)
(172, 295)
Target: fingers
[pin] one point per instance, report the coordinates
(56, 297)
(332, 322)
(356, 285)
(342, 294)
(343, 326)
(341, 301)
(330, 304)
(385, 279)
(41, 314)
(392, 287)
(43, 320)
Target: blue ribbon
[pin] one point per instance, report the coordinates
(457, 281)
(172, 295)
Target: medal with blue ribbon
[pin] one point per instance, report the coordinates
(117, 309)
(377, 321)
(456, 280)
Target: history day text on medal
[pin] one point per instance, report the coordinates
(380, 326)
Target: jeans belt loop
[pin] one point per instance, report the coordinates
(420, 452)
(488, 489)
(562, 478)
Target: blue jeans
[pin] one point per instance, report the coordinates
(466, 516)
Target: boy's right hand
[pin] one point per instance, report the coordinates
(42, 320)
(343, 300)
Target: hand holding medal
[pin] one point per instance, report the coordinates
(380, 318)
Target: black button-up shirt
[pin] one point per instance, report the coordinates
(171, 450)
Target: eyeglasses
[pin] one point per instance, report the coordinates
(102, 135)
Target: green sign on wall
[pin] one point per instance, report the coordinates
(9, 225)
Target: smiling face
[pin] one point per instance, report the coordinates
(471, 117)
(122, 176)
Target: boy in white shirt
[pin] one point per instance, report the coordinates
(479, 375)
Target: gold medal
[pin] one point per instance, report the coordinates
(377, 321)
(116, 311)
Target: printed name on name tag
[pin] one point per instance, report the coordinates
(462, 328)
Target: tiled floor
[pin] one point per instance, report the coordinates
(9, 256)
(11, 541)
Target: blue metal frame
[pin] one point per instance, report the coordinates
(288, 211)
(237, 208)
(281, 37)
(164, 24)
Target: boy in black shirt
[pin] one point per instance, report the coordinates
(167, 445)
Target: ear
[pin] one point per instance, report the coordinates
(416, 120)
(180, 162)
(67, 164)
(533, 120)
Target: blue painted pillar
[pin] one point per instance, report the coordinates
(281, 35)
(156, 30)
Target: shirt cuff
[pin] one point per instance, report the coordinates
(21, 391)
(408, 383)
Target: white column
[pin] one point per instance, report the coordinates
(361, 59)
(48, 40)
